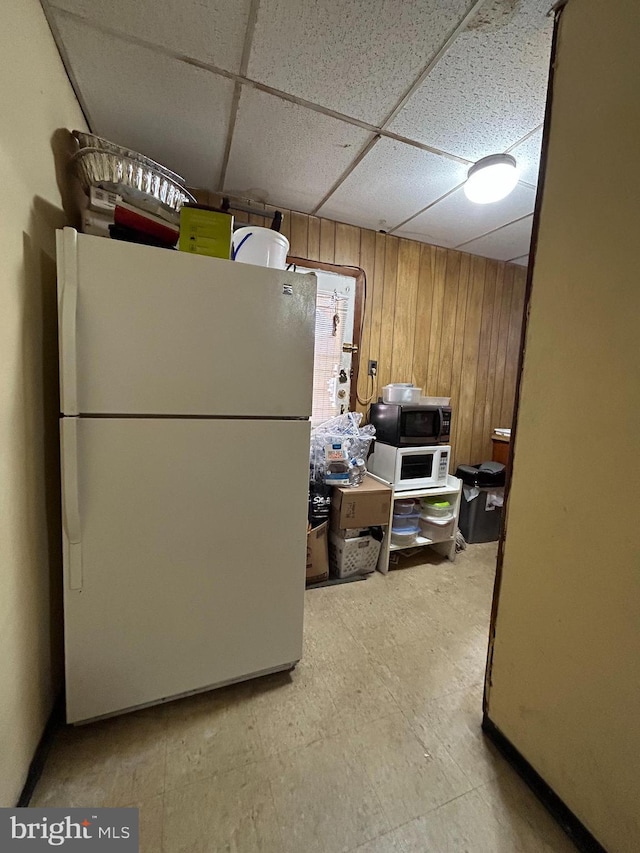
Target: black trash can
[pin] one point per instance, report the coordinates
(483, 486)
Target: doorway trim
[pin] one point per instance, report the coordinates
(358, 311)
(566, 818)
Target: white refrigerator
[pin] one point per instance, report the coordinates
(186, 386)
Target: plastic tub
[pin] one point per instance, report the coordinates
(403, 507)
(435, 508)
(401, 393)
(406, 522)
(437, 529)
(260, 246)
(405, 538)
(435, 401)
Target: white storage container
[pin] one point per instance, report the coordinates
(399, 392)
(352, 556)
(403, 506)
(437, 529)
(405, 522)
(404, 538)
(435, 401)
(436, 508)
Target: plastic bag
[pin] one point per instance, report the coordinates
(354, 439)
(336, 463)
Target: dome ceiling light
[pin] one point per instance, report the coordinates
(491, 178)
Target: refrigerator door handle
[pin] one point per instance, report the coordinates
(71, 501)
(67, 246)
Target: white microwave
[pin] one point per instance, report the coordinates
(410, 467)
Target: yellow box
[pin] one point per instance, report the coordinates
(204, 231)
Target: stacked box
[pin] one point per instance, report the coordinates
(353, 550)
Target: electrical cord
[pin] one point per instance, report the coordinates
(374, 371)
(369, 400)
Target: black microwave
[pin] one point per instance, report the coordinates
(401, 425)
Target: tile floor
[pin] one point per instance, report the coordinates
(372, 744)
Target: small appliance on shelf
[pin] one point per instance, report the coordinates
(407, 468)
(402, 424)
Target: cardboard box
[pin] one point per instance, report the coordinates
(317, 554)
(350, 532)
(365, 505)
(204, 231)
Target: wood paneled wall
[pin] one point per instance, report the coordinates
(448, 321)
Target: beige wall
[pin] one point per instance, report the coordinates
(35, 99)
(566, 668)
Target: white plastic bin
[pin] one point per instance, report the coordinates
(352, 556)
(437, 529)
(401, 393)
(260, 246)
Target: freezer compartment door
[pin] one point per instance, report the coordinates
(185, 547)
(156, 332)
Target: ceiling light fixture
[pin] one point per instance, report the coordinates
(491, 178)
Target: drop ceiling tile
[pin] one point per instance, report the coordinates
(212, 31)
(358, 58)
(527, 156)
(456, 220)
(523, 260)
(286, 154)
(489, 89)
(512, 241)
(175, 113)
(392, 182)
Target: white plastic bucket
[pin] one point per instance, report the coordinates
(260, 246)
